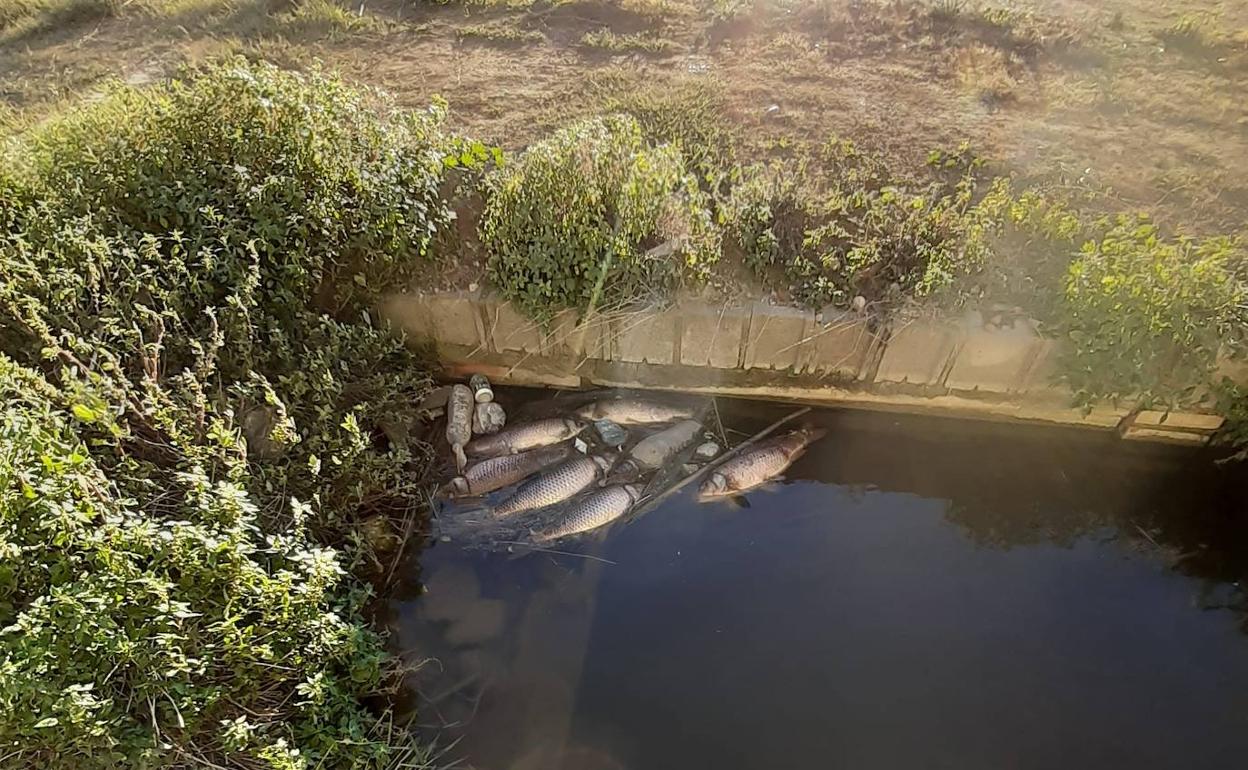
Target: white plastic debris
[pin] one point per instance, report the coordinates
(706, 451)
(488, 418)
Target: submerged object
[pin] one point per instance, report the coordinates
(633, 411)
(593, 511)
(706, 451)
(488, 418)
(527, 436)
(758, 465)
(555, 486)
(611, 433)
(481, 390)
(498, 472)
(653, 451)
(459, 422)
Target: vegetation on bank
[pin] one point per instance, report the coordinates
(196, 416)
(199, 410)
(1148, 315)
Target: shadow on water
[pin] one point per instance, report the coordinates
(919, 592)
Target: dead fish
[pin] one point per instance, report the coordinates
(653, 451)
(459, 422)
(593, 511)
(498, 472)
(633, 411)
(555, 486)
(757, 466)
(527, 436)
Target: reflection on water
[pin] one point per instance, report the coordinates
(920, 593)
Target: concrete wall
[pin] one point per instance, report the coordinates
(965, 366)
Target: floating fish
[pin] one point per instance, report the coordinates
(528, 436)
(555, 486)
(459, 422)
(653, 451)
(593, 511)
(632, 411)
(498, 472)
(758, 465)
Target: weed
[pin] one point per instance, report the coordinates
(322, 18)
(188, 418)
(607, 40)
(576, 216)
(499, 33)
(685, 111)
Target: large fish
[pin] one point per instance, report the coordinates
(593, 511)
(498, 472)
(758, 465)
(556, 485)
(633, 411)
(528, 436)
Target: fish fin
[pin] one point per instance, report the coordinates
(738, 501)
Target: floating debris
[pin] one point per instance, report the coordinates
(527, 436)
(593, 511)
(653, 451)
(758, 465)
(498, 472)
(481, 389)
(555, 486)
(611, 433)
(632, 411)
(706, 451)
(459, 423)
(488, 418)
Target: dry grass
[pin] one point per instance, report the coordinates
(1139, 104)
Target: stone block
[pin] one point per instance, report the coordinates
(409, 313)
(840, 346)
(509, 329)
(776, 336)
(563, 336)
(647, 336)
(711, 334)
(917, 353)
(995, 360)
(1178, 421)
(455, 319)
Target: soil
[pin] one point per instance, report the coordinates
(1103, 99)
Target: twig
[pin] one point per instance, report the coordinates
(560, 553)
(649, 504)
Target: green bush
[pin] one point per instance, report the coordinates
(578, 213)
(1147, 315)
(862, 232)
(192, 410)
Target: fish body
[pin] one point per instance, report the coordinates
(653, 451)
(593, 511)
(758, 465)
(560, 483)
(498, 472)
(633, 411)
(528, 436)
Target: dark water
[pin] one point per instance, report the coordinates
(918, 594)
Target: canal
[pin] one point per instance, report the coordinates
(917, 592)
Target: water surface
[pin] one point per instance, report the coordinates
(917, 593)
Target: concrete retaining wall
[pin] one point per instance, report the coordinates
(961, 367)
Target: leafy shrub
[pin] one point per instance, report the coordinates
(578, 213)
(862, 232)
(1147, 315)
(190, 412)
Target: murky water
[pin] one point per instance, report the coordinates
(919, 593)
